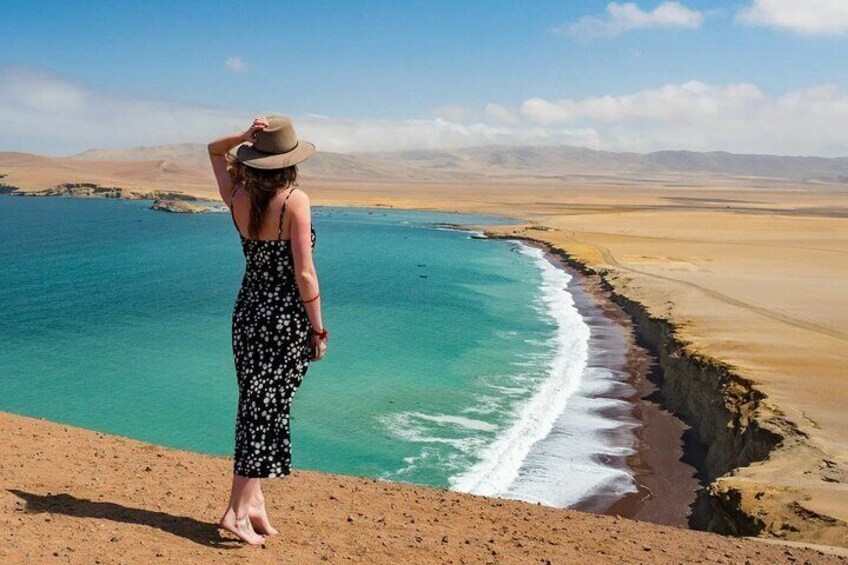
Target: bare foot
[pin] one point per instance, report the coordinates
(259, 519)
(240, 527)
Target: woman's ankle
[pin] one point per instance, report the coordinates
(238, 512)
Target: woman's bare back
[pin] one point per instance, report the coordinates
(240, 205)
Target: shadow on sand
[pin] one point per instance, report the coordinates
(203, 533)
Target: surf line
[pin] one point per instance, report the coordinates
(569, 440)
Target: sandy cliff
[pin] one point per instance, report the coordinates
(792, 490)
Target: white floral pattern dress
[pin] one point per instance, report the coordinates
(271, 350)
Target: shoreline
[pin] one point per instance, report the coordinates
(733, 428)
(666, 486)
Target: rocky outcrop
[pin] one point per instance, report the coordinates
(6, 188)
(178, 206)
(163, 200)
(91, 190)
(751, 447)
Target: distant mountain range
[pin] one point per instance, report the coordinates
(185, 167)
(516, 161)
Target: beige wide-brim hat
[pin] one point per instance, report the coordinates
(274, 147)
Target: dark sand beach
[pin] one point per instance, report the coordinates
(664, 462)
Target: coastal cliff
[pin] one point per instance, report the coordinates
(751, 446)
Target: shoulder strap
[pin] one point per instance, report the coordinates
(283, 211)
(232, 208)
(233, 193)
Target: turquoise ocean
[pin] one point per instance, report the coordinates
(454, 361)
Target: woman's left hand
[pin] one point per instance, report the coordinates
(319, 347)
(258, 125)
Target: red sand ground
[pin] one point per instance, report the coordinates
(76, 496)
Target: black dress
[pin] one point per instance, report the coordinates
(271, 348)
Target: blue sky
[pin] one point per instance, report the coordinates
(382, 64)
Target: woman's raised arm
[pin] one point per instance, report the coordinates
(218, 156)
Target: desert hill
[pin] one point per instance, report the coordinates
(515, 161)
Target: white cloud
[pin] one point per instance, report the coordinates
(452, 113)
(501, 114)
(235, 64)
(671, 103)
(620, 18)
(47, 113)
(701, 117)
(806, 17)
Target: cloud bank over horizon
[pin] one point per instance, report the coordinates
(44, 112)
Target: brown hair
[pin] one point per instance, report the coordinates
(261, 186)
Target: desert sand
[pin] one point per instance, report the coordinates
(735, 279)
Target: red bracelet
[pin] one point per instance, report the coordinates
(313, 299)
(322, 334)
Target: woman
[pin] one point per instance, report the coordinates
(276, 325)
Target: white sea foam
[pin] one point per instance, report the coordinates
(560, 446)
(500, 462)
(460, 421)
(559, 450)
(483, 404)
(418, 427)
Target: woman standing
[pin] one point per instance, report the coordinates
(276, 324)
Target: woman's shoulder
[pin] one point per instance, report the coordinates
(298, 197)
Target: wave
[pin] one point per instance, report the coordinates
(500, 462)
(568, 432)
(570, 440)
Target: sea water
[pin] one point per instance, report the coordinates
(454, 361)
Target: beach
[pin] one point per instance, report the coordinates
(733, 283)
(664, 470)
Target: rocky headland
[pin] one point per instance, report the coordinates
(178, 206)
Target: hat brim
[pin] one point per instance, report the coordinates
(252, 157)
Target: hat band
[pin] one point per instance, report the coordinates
(272, 153)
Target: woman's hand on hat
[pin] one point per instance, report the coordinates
(258, 125)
